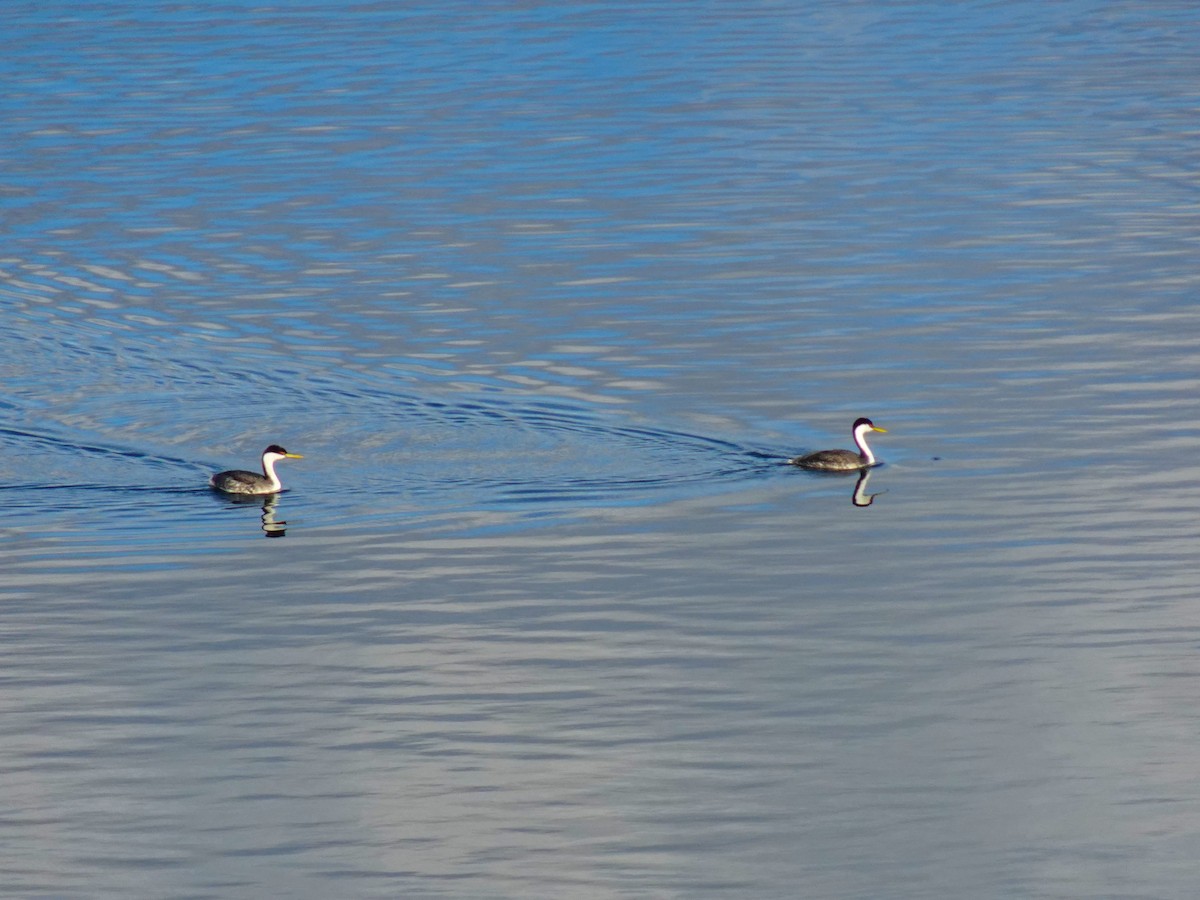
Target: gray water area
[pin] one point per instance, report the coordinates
(545, 295)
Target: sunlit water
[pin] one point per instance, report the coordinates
(545, 296)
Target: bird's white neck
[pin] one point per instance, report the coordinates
(860, 438)
(268, 463)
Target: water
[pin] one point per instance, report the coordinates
(544, 295)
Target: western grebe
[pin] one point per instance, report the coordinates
(843, 460)
(239, 481)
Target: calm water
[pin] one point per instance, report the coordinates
(544, 294)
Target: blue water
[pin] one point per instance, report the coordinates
(545, 295)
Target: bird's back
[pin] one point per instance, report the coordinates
(833, 460)
(239, 481)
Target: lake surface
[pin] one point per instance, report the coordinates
(545, 295)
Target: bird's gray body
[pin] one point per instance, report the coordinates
(833, 461)
(239, 481)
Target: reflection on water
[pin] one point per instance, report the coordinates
(268, 505)
(548, 294)
(272, 525)
(860, 497)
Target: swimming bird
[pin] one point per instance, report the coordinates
(239, 481)
(843, 460)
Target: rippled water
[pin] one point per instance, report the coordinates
(545, 295)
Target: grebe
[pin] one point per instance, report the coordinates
(239, 481)
(843, 460)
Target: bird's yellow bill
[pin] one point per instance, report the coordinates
(877, 428)
(293, 456)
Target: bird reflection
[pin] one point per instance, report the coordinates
(272, 526)
(860, 497)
